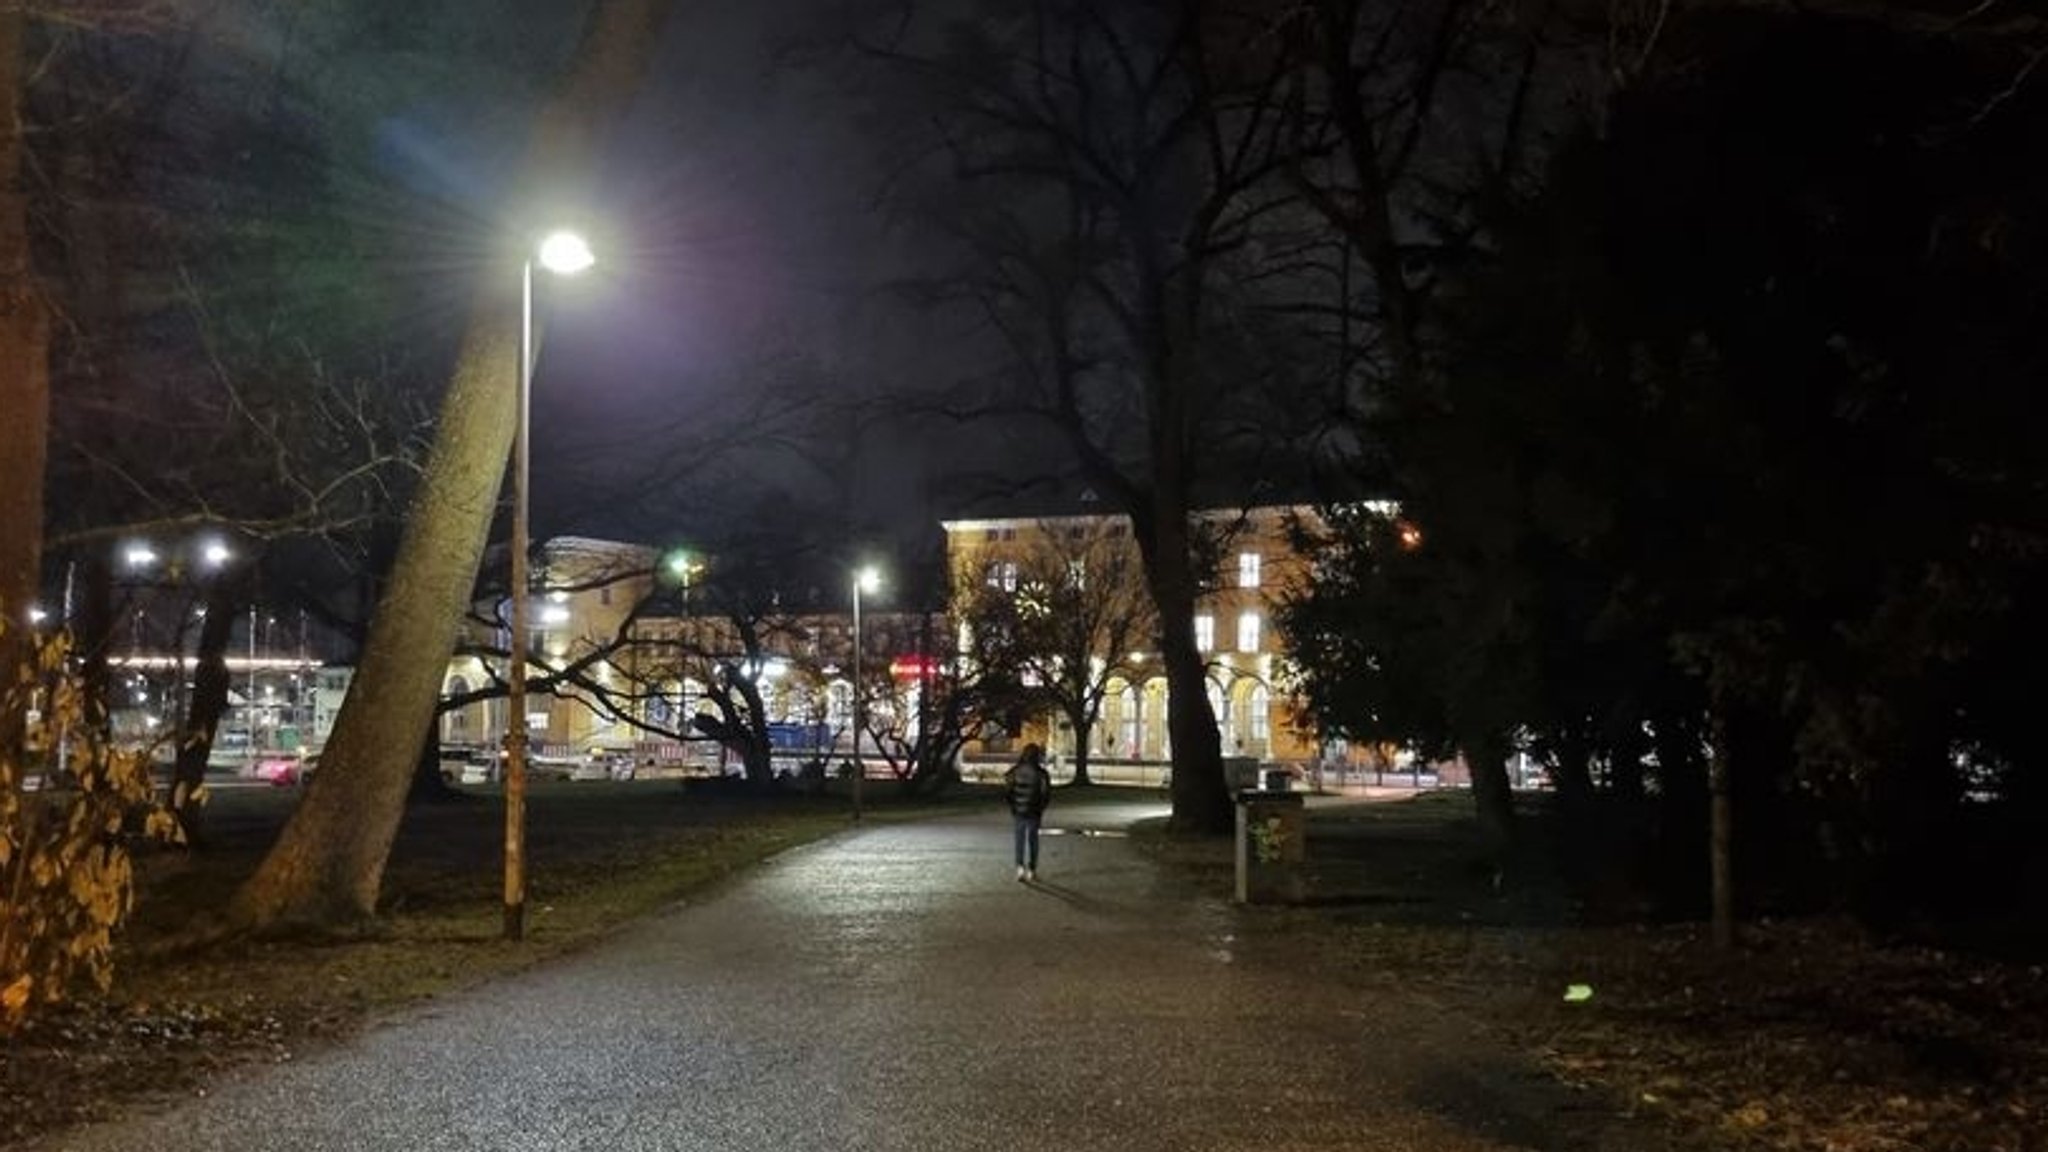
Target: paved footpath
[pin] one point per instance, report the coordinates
(896, 988)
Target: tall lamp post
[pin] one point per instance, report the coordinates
(865, 580)
(564, 253)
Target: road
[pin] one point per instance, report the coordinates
(896, 988)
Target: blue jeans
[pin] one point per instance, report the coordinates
(1027, 842)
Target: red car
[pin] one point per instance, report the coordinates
(279, 771)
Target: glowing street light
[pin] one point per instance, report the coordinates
(684, 567)
(564, 253)
(868, 579)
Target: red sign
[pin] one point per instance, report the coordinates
(914, 667)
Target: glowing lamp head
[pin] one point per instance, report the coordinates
(868, 579)
(565, 253)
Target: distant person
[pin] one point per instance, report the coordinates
(1028, 788)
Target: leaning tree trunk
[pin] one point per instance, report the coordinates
(24, 378)
(328, 864)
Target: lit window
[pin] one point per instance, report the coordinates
(1248, 632)
(1262, 706)
(1077, 573)
(1247, 569)
(1008, 575)
(1205, 633)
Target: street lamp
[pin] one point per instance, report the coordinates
(564, 253)
(682, 565)
(865, 580)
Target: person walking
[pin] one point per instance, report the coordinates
(1028, 788)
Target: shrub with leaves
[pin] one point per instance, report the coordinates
(71, 805)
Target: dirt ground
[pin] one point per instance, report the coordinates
(1811, 1036)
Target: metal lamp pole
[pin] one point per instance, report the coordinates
(864, 580)
(565, 253)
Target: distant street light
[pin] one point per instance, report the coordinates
(865, 580)
(564, 253)
(683, 566)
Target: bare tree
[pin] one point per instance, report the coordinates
(1107, 180)
(1065, 625)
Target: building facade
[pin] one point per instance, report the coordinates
(588, 598)
(646, 659)
(1253, 566)
(626, 656)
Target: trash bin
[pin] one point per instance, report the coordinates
(1240, 772)
(1272, 847)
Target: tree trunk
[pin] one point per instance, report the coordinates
(1571, 770)
(24, 379)
(428, 785)
(1486, 758)
(1625, 766)
(757, 753)
(1721, 837)
(1082, 731)
(92, 636)
(328, 864)
(1201, 797)
(203, 712)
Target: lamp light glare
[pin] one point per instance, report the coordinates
(566, 253)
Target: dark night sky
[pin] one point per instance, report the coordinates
(734, 219)
(749, 236)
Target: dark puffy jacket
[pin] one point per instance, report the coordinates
(1028, 788)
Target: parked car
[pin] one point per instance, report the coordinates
(482, 766)
(603, 766)
(278, 771)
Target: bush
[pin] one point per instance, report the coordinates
(70, 806)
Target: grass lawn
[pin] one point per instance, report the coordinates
(1813, 1035)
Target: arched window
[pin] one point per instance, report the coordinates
(458, 718)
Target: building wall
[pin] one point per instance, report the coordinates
(584, 592)
(586, 596)
(1255, 567)
(588, 591)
